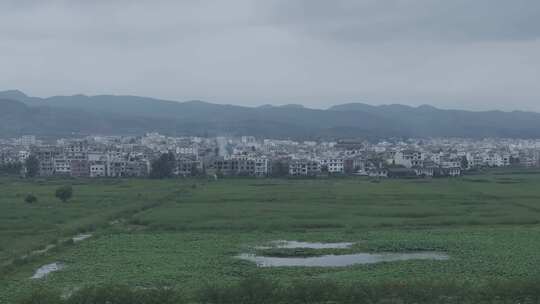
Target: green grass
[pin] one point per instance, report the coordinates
(175, 235)
(257, 290)
(26, 227)
(347, 203)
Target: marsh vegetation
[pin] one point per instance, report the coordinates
(183, 241)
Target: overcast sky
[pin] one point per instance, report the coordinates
(469, 54)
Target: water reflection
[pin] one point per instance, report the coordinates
(341, 260)
(306, 245)
(45, 270)
(81, 237)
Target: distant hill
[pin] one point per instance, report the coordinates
(110, 114)
(425, 121)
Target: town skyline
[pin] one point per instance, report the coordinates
(160, 156)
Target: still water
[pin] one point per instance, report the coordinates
(310, 245)
(341, 260)
(45, 270)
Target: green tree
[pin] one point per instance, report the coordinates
(280, 168)
(163, 167)
(64, 193)
(32, 166)
(324, 169)
(464, 163)
(195, 170)
(11, 168)
(30, 199)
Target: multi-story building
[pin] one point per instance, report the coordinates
(333, 165)
(46, 157)
(28, 140)
(187, 166)
(98, 169)
(261, 166)
(408, 158)
(304, 167)
(62, 166)
(80, 168)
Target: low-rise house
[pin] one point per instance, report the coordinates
(455, 171)
(424, 171)
(401, 172)
(377, 172)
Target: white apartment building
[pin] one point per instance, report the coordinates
(304, 168)
(187, 149)
(334, 165)
(62, 166)
(28, 140)
(261, 166)
(408, 158)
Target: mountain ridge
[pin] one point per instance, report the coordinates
(121, 114)
(21, 96)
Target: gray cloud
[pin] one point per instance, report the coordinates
(405, 20)
(480, 54)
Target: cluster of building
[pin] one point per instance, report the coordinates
(121, 156)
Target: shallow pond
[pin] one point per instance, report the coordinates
(341, 260)
(45, 270)
(81, 237)
(307, 245)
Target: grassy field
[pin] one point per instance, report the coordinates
(185, 234)
(27, 227)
